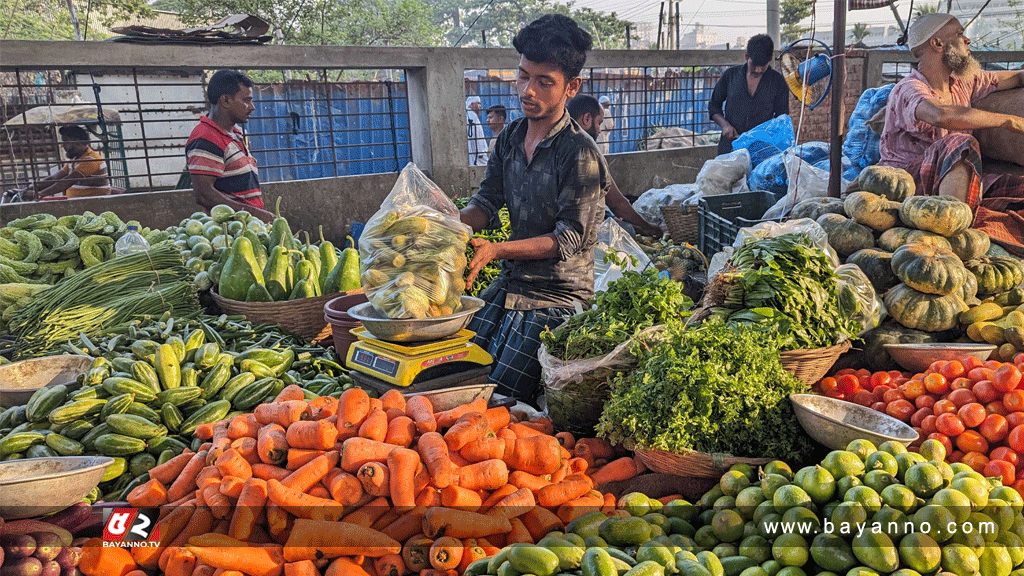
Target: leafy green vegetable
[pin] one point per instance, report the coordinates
(491, 271)
(636, 301)
(710, 389)
(786, 287)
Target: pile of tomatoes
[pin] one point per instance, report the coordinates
(975, 408)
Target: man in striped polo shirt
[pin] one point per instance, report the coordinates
(84, 175)
(223, 171)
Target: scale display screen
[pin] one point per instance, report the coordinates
(378, 364)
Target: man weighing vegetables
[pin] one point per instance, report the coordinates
(551, 176)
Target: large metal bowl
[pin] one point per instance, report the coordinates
(918, 357)
(414, 329)
(37, 486)
(835, 423)
(19, 380)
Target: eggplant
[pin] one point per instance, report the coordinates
(18, 545)
(22, 567)
(50, 568)
(69, 518)
(69, 556)
(70, 572)
(48, 546)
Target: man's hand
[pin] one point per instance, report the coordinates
(729, 131)
(27, 194)
(483, 253)
(649, 229)
(1015, 124)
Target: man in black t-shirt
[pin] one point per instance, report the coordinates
(753, 93)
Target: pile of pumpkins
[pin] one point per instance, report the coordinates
(918, 251)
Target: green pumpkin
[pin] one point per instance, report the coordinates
(970, 244)
(872, 210)
(969, 291)
(877, 266)
(894, 183)
(920, 311)
(996, 274)
(815, 207)
(844, 235)
(876, 357)
(943, 215)
(928, 269)
(893, 238)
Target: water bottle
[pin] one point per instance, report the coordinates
(130, 243)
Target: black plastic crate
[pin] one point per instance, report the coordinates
(719, 218)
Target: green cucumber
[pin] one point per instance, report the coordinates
(90, 437)
(63, 445)
(117, 405)
(77, 429)
(43, 401)
(215, 379)
(116, 385)
(119, 445)
(118, 467)
(253, 394)
(168, 366)
(144, 411)
(159, 444)
(40, 451)
(178, 396)
(207, 356)
(89, 393)
(76, 410)
(141, 463)
(210, 413)
(258, 368)
(16, 442)
(171, 417)
(144, 372)
(235, 384)
(135, 426)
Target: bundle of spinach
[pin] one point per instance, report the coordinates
(786, 287)
(636, 301)
(709, 389)
(492, 269)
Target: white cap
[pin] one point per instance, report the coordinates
(925, 27)
(604, 100)
(472, 100)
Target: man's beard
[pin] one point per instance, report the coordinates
(961, 64)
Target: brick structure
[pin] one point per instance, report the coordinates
(816, 126)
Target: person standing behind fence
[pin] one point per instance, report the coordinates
(497, 115)
(475, 133)
(753, 93)
(223, 171)
(84, 175)
(607, 125)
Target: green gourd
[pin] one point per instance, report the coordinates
(258, 293)
(333, 279)
(259, 250)
(304, 271)
(278, 275)
(241, 270)
(303, 289)
(350, 268)
(280, 232)
(328, 260)
(312, 255)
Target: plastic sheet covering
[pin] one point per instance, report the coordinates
(770, 230)
(725, 174)
(861, 145)
(557, 374)
(649, 204)
(766, 140)
(413, 251)
(804, 182)
(614, 239)
(858, 295)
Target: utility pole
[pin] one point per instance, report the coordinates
(74, 20)
(677, 26)
(483, 37)
(628, 43)
(773, 21)
(835, 150)
(661, 18)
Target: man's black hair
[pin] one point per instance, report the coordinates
(227, 82)
(582, 104)
(498, 109)
(760, 49)
(555, 39)
(74, 133)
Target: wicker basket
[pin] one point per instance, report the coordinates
(810, 365)
(304, 317)
(681, 222)
(694, 464)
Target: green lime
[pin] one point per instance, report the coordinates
(1000, 512)
(772, 567)
(791, 496)
(945, 470)
(996, 560)
(892, 447)
(934, 521)
(748, 500)
(882, 461)
(924, 479)
(803, 521)
(778, 467)
(635, 503)
(960, 467)
(972, 540)
(1008, 495)
(968, 473)
(791, 550)
(710, 496)
(932, 449)
(754, 571)
(862, 570)
(705, 537)
(1014, 545)
(842, 463)
(845, 483)
(892, 523)
(848, 517)
(831, 552)
(905, 461)
(955, 501)
(985, 525)
(879, 480)
(899, 497)
(975, 490)
(705, 517)
(791, 571)
(725, 550)
(733, 481)
(960, 560)
(920, 552)
(724, 503)
(728, 526)
(861, 448)
(769, 526)
(870, 499)
(876, 550)
(819, 485)
(770, 483)
(746, 469)
(756, 548)
(762, 509)
(906, 572)
(680, 508)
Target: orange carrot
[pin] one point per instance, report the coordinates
(461, 524)
(268, 471)
(560, 474)
(539, 521)
(345, 488)
(312, 434)
(231, 463)
(449, 417)
(622, 469)
(358, 451)
(272, 444)
(310, 473)
(400, 432)
(231, 486)
(457, 461)
(217, 502)
(385, 519)
(204, 431)
(246, 448)
(345, 567)
(299, 457)
(181, 563)
(445, 553)
(521, 430)
(376, 404)
(200, 523)
(496, 496)
(283, 413)
(320, 491)
(542, 424)
(375, 479)
(167, 472)
(290, 392)
(354, 406)
(598, 448)
(462, 498)
(186, 480)
(428, 497)
(256, 561)
(436, 572)
(323, 407)
(374, 426)
(416, 553)
(486, 475)
(301, 504)
(402, 464)
(170, 526)
(301, 568)
(393, 413)
(518, 533)
(590, 502)
(369, 513)
(609, 505)
(471, 553)
(419, 409)
(392, 399)
(406, 526)
(566, 439)
(483, 449)
(469, 427)
(514, 505)
(390, 565)
(248, 508)
(577, 466)
(278, 519)
(148, 495)
(488, 548)
(243, 425)
(521, 479)
(536, 455)
(497, 418)
(574, 486)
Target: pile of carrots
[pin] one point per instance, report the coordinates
(362, 486)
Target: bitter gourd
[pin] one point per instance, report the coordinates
(30, 243)
(23, 268)
(95, 249)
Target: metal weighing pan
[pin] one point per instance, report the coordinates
(415, 329)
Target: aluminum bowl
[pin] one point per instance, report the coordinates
(19, 380)
(37, 486)
(918, 357)
(414, 329)
(835, 423)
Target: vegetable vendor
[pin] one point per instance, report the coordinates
(551, 176)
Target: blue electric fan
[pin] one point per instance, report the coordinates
(805, 76)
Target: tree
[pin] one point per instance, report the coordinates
(792, 12)
(1014, 39)
(927, 9)
(859, 32)
(50, 19)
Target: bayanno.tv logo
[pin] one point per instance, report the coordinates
(131, 528)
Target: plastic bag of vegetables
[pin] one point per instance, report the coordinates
(413, 251)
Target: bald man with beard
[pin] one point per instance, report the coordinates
(928, 123)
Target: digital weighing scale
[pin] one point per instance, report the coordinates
(406, 364)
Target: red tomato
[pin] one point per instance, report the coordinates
(994, 428)
(1014, 419)
(845, 371)
(848, 384)
(900, 409)
(864, 382)
(826, 381)
(959, 383)
(925, 401)
(984, 391)
(993, 364)
(897, 381)
(970, 363)
(878, 406)
(972, 441)
(1005, 454)
(961, 397)
(979, 374)
(879, 392)
(1014, 401)
(972, 414)
(936, 384)
(891, 396)
(937, 366)
(863, 372)
(895, 373)
(996, 468)
(928, 423)
(954, 456)
(918, 416)
(949, 424)
(1019, 487)
(944, 406)
(1019, 358)
(913, 389)
(996, 407)
(879, 378)
(950, 450)
(975, 460)
(863, 397)
(953, 369)
(1007, 377)
(1015, 439)
(829, 387)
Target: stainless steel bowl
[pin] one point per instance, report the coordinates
(918, 357)
(37, 486)
(19, 380)
(448, 398)
(414, 329)
(835, 423)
